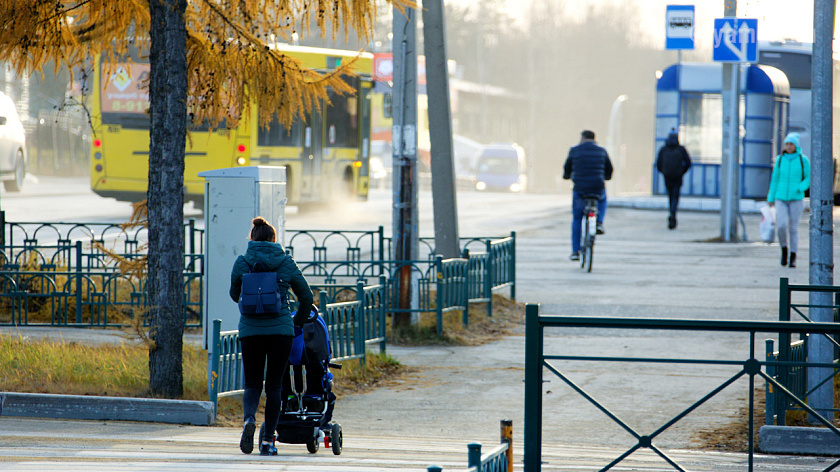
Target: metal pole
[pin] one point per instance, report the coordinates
(440, 131)
(821, 234)
(533, 389)
(404, 137)
(729, 153)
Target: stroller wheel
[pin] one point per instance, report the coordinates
(336, 438)
(312, 445)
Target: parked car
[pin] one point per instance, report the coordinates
(12, 146)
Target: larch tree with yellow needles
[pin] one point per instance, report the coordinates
(209, 59)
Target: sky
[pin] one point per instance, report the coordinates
(777, 19)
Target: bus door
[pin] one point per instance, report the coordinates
(310, 188)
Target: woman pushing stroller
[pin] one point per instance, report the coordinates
(266, 330)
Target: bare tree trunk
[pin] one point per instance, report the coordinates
(167, 93)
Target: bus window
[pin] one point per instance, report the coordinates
(278, 135)
(797, 67)
(342, 118)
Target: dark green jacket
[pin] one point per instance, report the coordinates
(274, 258)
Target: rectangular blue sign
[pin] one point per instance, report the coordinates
(679, 27)
(735, 40)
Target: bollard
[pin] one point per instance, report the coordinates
(474, 455)
(507, 437)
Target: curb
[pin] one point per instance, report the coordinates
(82, 407)
(657, 202)
(798, 440)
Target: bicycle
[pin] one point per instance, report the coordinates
(587, 236)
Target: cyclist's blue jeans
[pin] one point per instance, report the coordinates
(578, 205)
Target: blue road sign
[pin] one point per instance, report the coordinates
(735, 40)
(679, 27)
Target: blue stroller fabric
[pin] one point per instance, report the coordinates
(311, 343)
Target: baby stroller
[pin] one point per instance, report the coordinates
(307, 397)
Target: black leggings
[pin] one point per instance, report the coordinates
(274, 348)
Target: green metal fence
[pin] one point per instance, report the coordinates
(536, 361)
(351, 326)
(56, 270)
(498, 459)
(795, 378)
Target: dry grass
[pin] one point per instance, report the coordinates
(121, 370)
(482, 329)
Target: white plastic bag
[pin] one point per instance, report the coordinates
(767, 228)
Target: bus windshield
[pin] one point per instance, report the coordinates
(498, 165)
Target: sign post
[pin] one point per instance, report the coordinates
(735, 42)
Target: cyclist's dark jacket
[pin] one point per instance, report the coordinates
(588, 165)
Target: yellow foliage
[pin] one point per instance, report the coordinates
(231, 63)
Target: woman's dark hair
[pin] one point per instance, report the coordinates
(262, 231)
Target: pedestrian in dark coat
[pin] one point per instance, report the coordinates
(673, 162)
(266, 339)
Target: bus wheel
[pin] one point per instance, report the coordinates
(347, 183)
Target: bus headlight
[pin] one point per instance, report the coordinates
(480, 185)
(515, 187)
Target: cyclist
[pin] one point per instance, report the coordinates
(588, 165)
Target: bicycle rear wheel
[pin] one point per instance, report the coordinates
(590, 248)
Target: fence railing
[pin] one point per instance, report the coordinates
(48, 254)
(351, 327)
(498, 459)
(795, 378)
(536, 361)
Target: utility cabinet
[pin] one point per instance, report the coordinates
(232, 198)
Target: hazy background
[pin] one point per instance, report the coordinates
(554, 67)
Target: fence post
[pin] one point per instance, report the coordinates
(215, 347)
(512, 275)
(488, 280)
(2, 227)
(383, 303)
(769, 406)
(362, 317)
(474, 455)
(382, 250)
(507, 437)
(780, 408)
(79, 282)
(533, 388)
(439, 293)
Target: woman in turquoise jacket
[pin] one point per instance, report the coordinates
(266, 341)
(791, 178)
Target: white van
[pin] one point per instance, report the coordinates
(12, 146)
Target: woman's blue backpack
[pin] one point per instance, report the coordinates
(260, 294)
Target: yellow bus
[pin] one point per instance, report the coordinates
(326, 156)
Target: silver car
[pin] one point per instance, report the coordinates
(12, 146)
